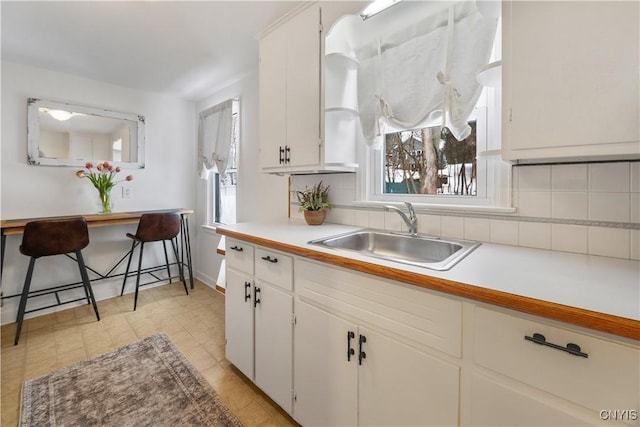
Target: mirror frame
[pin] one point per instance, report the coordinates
(33, 133)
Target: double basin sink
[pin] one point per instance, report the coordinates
(422, 251)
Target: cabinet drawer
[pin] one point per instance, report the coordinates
(606, 379)
(405, 311)
(239, 255)
(275, 268)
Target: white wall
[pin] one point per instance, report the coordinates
(259, 196)
(167, 181)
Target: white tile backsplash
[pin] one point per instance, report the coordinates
(569, 238)
(635, 244)
(393, 221)
(534, 203)
(534, 178)
(608, 241)
(570, 205)
(452, 226)
(477, 229)
(361, 218)
(376, 219)
(635, 177)
(556, 194)
(534, 235)
(635, 207)
(569, 177)
(609, 207)
(342, 216)
(504, 232)
(429, 224)
(609, 177)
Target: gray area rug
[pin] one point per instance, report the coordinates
(147, 383)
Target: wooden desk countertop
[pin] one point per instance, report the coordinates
(11, 227)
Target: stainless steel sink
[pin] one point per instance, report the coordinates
(422, 251)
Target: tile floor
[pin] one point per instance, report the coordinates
(195, 324)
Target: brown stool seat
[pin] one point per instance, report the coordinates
(54, 237)
(155, 227)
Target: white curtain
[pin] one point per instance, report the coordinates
(215, 133)
(425, 74)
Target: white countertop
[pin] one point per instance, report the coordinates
(604, 285)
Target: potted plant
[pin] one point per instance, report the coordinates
(314, 202)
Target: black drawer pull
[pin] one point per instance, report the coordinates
(236, 248)
(268, 258)
(571, 348)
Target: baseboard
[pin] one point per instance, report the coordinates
(220, 289)
(205, 278)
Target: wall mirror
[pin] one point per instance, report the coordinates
(61, 134)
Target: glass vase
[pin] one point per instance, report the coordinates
(105, 202)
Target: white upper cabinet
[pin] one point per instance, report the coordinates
(273, 100)
(571, 80)
(292, 95)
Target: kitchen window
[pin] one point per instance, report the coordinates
(430, 161)
(219, 139)
(432, 131)
(455, 174)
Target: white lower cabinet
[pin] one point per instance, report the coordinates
(362, 350)
(530, 372)
(274, 344)
(326, 377)
(258, 323)
(239, 321)
(401, 386)
(348, 374)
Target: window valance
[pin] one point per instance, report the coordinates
(215, 127)
(425, 74)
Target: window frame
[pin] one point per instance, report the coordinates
(493, 176)
(213, 183)
(479, 115)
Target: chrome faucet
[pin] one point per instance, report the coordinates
(411, 220)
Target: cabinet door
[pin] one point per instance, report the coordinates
(272, 80)
(570, 79)
(325, 381)
(239, 321)
(303, 87)
(401, 386)
(274, 344)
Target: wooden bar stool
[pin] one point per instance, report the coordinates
(54, 237)
(155, 227)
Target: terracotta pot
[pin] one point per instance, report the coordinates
(315, 217)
